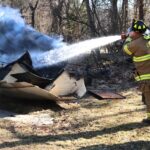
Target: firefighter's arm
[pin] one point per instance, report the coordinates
(126, 46)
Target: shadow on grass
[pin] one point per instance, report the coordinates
(85, 121)
(32, 139)
(26, 106)
(136, 145)
(91, 105)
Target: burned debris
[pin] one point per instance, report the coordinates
(21, 81)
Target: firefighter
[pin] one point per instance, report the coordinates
(137, 45)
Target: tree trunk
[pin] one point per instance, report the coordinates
(124, 14)
(90, 19)
(141, 11)
(33, 10)
(135, 8)
(114, 17)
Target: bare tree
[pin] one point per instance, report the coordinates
(78, 20)
(33, 10)
(90, 18)
(114, 17)
(135, 8)
(124, 14)
(141, 10)
(100, 28)
(56, 9)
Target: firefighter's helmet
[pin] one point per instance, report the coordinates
(138, 25)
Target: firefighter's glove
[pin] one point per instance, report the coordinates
(123, 36)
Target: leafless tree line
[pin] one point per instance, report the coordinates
(80, 19)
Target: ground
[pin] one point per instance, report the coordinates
(91, 124)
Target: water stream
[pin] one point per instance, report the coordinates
(70, 51)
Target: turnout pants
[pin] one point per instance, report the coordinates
(145, 89)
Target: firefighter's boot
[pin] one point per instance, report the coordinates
(147, 120)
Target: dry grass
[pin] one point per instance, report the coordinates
(92, 125)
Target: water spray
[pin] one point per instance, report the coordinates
(68, 52)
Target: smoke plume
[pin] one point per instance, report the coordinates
(16, 36)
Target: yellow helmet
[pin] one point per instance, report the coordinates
(138, 25)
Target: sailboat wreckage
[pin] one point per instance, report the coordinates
(20, 81)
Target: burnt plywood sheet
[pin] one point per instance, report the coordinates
(24, 90)
(105, 94)
(32, 78)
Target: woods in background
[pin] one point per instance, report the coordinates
(81, 19)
